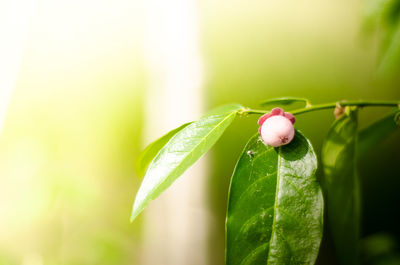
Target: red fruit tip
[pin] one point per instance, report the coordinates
(276, 112)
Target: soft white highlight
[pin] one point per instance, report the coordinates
(175, 226)
(15, 17)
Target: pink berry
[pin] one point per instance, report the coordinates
(276, 127)
(277, 130)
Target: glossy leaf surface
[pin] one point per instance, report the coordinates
(341, 186)
(284, 101)
(375, 133)
(181, 151)
(275, 207)
(152, 150)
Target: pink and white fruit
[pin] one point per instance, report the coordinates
(277, 127)
(277, 131)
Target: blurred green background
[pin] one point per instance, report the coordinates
(75, 122)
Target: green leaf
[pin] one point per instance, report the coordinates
(275, 208)
(378, 247)
(390, 61)
(284, 101)
(148, 154)
(181, 151)
(341, 186)
(375, 133)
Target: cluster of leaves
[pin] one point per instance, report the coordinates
(275, 206)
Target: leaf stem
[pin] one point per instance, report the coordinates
(332, 105)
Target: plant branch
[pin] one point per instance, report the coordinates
(332, 105)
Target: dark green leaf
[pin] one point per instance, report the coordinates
(148, 154)
(284, 101)
(397, 118)
(181, 151)
(375, 133)
(376, 248)
(275, 205)
(341, 186)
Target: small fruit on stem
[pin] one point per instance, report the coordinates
(276, 127)
(339, 111)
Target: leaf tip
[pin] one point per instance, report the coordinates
(137, 208)
(135, 212)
